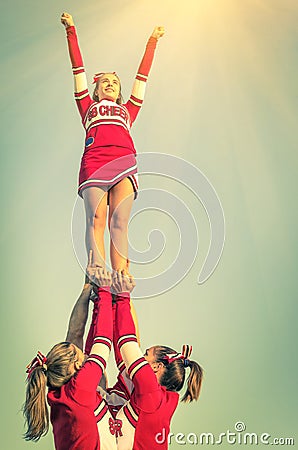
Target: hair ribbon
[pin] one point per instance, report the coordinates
(97, 76)
(39, 360)
(184, 355)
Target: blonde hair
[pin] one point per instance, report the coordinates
(58, 371)
(119, 100)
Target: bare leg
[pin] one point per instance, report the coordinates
(95, 201)
(120, 203)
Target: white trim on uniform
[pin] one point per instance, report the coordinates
(94, 180)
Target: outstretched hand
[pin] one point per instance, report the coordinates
(158, 32)
(97, 275)
(122, 282)
(67, 20)
(102, 277)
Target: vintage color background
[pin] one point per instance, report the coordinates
(223, 95)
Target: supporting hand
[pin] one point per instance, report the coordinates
(102, 277)
(122, 283)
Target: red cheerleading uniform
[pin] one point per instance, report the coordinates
(146, 416)
(77, 408)
(109, 154)
(117, 395)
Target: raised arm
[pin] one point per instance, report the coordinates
(78, 317)
(124, 327)
(93, 368)
(81, 92)
(138, 91)
(79, 314)
(147, 392)
(123, 385)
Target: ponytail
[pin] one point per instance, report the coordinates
(35, 408)
(194, 382)
(51, 371)
(175, 372)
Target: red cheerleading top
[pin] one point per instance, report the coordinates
(141, 408)
(76, 407)
(117, 395)
(106, 123)
(144, 421)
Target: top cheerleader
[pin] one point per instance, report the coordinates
(108, 167)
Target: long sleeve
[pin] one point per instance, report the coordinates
(81, 92)
(138, 91)
(92, 370)
(125, 330)
(116, 396)
(123, 387)
(147, 393)
(89, 341)
(90, 336)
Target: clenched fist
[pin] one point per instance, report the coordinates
(67, 20)
(158, 32)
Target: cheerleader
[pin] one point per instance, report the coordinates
(145, 396)
(77, 411)
(108, 167)
(157, 377)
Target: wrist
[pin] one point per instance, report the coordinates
(152, 39)
(70, 29)
(125, 295)
(87, 288)
(104, 288)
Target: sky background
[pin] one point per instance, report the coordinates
(222, 95)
